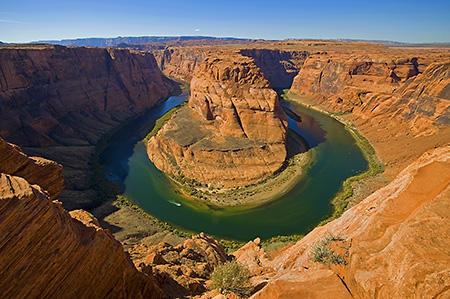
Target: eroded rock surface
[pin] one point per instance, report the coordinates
(56, 102)
(398, 243)
(36, 170)
(46, 252)
(410, 92)
(54, 95)
(184, 269)
(233, 131)
(279, 66)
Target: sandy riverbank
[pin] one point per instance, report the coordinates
(255, 194)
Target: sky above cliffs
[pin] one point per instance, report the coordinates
(398, 20)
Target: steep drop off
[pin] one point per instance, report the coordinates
(53, 95)
(47, 252)
(278, 66)
(234, 131)
(410, 91)
(35, 170)
(56, 102)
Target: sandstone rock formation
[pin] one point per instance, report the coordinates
(181, 270)
(234, 131)
(44, 252)
(180, 62)
(52, 95)
(411, 90)
(397, 99)
(278, 66)
(398, 243)
(56, 102)
(35, 170)
(398, 237)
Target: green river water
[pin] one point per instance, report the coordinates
(295, 212)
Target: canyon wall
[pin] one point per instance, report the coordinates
(278, 66)
(47, 252)
(180, 62)
(409, 89)
(233, 131)
(397, 241)
(56, 102)
(54, 95)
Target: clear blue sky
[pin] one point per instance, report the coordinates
(399, 20)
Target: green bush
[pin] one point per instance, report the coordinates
(322, 252)
(231, 277)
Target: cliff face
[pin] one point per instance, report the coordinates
(45, 252)
(53, 95)
(233, 132)
(397, 240)
(278, 66)
(180, 62)
(411, 91)
(56, 102)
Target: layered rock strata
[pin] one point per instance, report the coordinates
(54, 95)
(278, 66)
(412, 91)
(397, 240)
(56, 102)
(47, 253)
(232, 133)
(180, 62)
(36, 170)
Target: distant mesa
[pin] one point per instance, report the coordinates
(113, 41)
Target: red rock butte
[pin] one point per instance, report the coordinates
(232, 133)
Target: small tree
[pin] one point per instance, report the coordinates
(231, 277)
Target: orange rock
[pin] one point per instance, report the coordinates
(234, 131)
(410, 93)
(47, 253)
(399, 242)
(72, 95)
(184, 269)
(278, 65)
(35, 170)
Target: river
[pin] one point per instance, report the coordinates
(296, 212)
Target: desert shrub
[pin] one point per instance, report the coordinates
(231, 277)
(322, 252)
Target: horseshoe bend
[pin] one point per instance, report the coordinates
(67, 230)
(233, 131)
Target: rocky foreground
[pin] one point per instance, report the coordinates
(47, 252)
(233, 132)
(397, 239)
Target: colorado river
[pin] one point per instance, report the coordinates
(296, 212)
